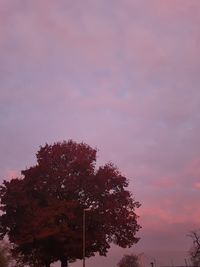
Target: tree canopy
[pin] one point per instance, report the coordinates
(42, 211)
(129, 261)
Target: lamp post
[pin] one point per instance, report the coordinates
(84, 211)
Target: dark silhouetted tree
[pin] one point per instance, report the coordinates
(129, 261)
(195, 250)
(43, 210)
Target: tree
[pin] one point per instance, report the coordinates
(129, 261)
(43, 209)
(195, 250)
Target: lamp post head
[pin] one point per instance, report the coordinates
(88, 209)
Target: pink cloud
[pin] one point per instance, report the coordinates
(197, 185)
(166, 182)
(11, 174)
(160, 217)
(175, 8)
(193, 168)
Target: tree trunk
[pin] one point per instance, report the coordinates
(47, 264)
(64, 262)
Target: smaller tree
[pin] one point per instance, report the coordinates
(129, 261)
(195, 250)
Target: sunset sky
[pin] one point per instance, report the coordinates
(122, 76)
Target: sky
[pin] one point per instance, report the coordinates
(119, 75)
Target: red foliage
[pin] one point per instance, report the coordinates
(43, 212)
